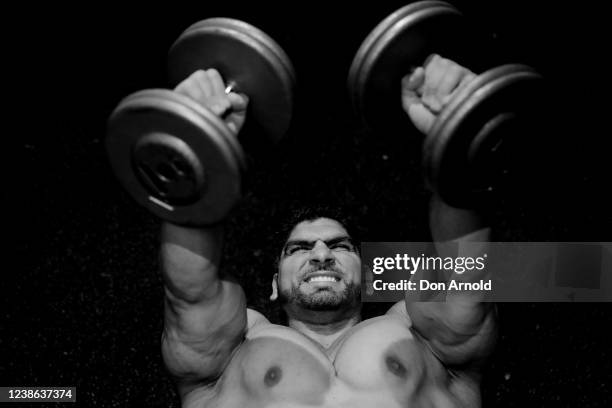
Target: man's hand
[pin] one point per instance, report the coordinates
(428, 89)
(208, 89)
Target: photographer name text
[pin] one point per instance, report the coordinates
(425, 285)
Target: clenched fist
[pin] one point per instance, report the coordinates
(207, 88)
(428, 89)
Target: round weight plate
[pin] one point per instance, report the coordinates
(469, 152)
(399, 44)
(247, 59)
(174, 157)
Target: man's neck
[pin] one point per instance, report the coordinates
(324, 333)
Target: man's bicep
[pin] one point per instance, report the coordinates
(200, 337)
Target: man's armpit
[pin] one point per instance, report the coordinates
(466, 351)
(457, 339)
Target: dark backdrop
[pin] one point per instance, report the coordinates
(82, 297)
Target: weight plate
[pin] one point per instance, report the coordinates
(174, 157)
(248, 59)
(469, 152)
(399, 44)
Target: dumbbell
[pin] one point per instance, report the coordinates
(466, 153)
(176, 157)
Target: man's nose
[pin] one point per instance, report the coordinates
(321, 253)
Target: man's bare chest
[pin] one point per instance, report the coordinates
(378, 363)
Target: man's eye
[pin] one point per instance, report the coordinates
(294, 249)
(343, 247)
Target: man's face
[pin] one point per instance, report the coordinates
(319, 268)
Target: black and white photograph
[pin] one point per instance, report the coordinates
(240, 204)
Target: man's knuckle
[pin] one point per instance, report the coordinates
(200, 73)
(444, 62)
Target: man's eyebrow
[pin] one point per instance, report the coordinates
(327, 242)
(338, 239)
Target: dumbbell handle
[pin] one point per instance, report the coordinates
(230, 87)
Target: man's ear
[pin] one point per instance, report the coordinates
(274, 294)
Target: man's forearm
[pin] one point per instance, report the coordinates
(460, 232)
(190, 261)
(456, 224)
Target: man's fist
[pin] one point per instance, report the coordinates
(428, 89)
(208, 89)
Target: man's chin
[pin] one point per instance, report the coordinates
(328, 298)
(322, 298)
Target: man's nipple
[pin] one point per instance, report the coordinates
(273, 376)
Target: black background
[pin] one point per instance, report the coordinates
(82, 298)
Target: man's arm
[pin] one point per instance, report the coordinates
(460, 330)
(205, 314)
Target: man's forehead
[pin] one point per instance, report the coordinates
(321, 228)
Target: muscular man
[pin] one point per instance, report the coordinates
(223, 354)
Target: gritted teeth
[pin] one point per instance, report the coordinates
(322, 279)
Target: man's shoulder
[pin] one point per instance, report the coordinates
(255, 318)
(259, 326)
(399, 309)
